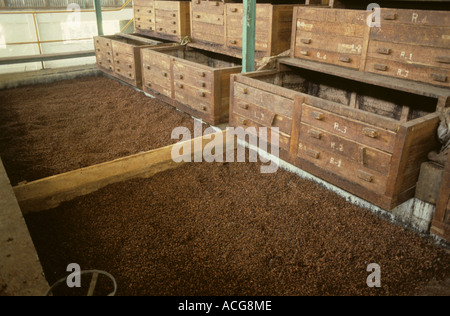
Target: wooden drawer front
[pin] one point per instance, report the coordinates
(208, 33)
(329, 28)
(262, 116)
(267, 100)
(365, 156)
(156, 59)
(432, 75)
(324, 56)
(142, 12)
(193, 97)
(122, 48)
(106, 63)
(345, 168)
(412, 34)
(195, 77)
(125, 63)
(103, 43)
(236, 42)
(416, 17)
(145, 26)
(206, 6)
(148, 3)
(168, 30)
(332, 16)
(156, 74)
(237, 120)
(344, 127)
(126, 71)
(208, 18)
(410, 54)
(167, 5)
(339, 44)
(237, 10)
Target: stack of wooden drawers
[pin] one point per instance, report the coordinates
(162, 19)
(120, 56)
(217, 26)
(409, 44)
(195, 81)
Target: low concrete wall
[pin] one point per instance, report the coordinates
(21, 273)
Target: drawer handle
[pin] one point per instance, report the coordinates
(384, 51)
(312, 153)
(129, 66)
(203, 84)
(243, 121)
(179, 85)
(234, 10)
(245, 91)
(149, 20)
(138, 19)
(345, 59)
(100, 63)
(204, 108)
(148, 67)
(198, 16)
(317, 115)
(179, 76)
(306, 40)
(233, 42)
(109, 53)
(160, 28)
(174, 23)
(118, 69)
(165, 74)
(149, 84)
(139, 26)
(390, 16)
(381, 67)
(202, 94)
(202, 74)
(443, 59)
(117, 54)
(130, 74)
(439, 77)
(370, 132)
(304, 52)
(149, 11)
(98, 49)
(365, 176)
(243, 106)
(315, 134)
(174, 15)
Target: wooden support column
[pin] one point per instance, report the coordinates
(248, 36)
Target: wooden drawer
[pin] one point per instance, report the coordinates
(206, 6)
(416, 17)
(166, 5)
(345, 168)
(103, 43)
(147, 3)
(144, 11)
(122, 48)
(410, 54)
(262, 116)
(365, 156)
(415, 72)
(196, 99)
(324, 56)
(192, 76)
(361, 132)
(244, 122)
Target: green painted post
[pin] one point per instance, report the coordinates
(98, 15)
(248, 36)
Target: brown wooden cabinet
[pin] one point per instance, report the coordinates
(119, 56)
(441, 221)
(217, 26)
(162, 19)
(408, 44)
(195, 81)
(361, 132)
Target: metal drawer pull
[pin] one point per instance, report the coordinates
(369, 132)
(345, 59)
(365, 176)
(306, 40)
(315, 134)
(312, 153)
(439, 77)
(179, 85)
(443, 59)
(243, 106)
(179, 76)
(381, 67)
(390, 16)
(317, 115)
(242, 121)
(304, 52)
(384, 51)
(202, 94)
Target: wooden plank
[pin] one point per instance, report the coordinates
(50, 192)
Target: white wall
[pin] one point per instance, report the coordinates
(67, 26)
